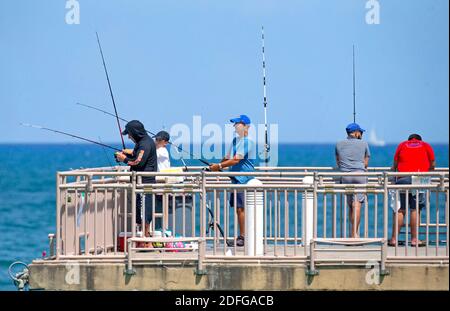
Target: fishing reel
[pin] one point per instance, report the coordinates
(127, 152)
(115, 156)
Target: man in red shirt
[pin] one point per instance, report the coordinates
(413, 155)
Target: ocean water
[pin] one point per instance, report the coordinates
(27, 187)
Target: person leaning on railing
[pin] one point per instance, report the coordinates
(352, 155)
(412, 155)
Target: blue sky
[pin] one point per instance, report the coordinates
(170, 60)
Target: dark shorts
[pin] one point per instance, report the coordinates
(149, 209)
(240, 199)
(354, 180)
(411, 195)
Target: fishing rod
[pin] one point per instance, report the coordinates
(110, 90)
(354, 92)
(110, 114)
(106, 154)
(266, 139)
(182, 160)
(68, 134)
(213, 222)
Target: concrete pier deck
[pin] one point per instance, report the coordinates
(178, 271)
(96, 209)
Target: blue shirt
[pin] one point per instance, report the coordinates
(246, 149)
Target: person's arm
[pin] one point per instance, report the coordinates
(394, 165)
(396, 158)
(432, 165)
(366, 162)
(138, 161)
(227, 161)
(230, 162)
(127, 152)
(337, 156)
(366, 156)
(431, 158)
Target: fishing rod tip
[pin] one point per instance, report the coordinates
(30, 125)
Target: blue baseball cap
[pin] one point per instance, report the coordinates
(241, 119)
(353, 127)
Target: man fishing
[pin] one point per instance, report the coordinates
(412, 155)
(141, 159)
(239, 159)
(352, 155)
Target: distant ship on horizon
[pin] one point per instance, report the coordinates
(374, 140)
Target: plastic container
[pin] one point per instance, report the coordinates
(157, 234)
(393, 204)
(121, 240)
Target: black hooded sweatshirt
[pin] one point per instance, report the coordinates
(144, 154)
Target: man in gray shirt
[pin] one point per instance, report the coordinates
(352, 155)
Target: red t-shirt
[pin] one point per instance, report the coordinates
(414, 156)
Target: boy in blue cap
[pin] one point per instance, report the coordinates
(239, 159)
(352, 155)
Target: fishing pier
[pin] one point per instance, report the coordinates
(297, 232)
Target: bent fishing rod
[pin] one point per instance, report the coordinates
(110, 90)
(122, 119)
(68, 134)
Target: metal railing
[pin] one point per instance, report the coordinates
(299, 211)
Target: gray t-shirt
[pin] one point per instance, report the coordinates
(351, 153)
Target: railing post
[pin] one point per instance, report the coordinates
(315, 207)
(385, 207)
(58, 216)
(441, 182)
(89, 188)
(383, 270)
(308, 208)
(129, 269)
(51, 244)
(133, 205)
(201, 257)
(447, 224)
(203, 207)
(312, 260)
